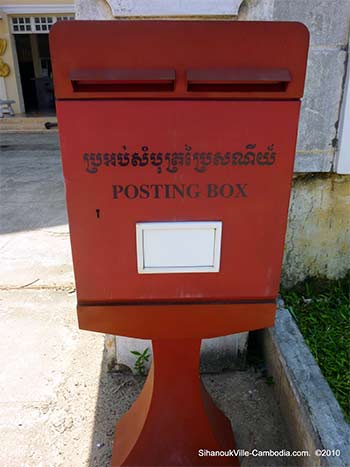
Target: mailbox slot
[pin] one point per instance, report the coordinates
(238, 80)
(123, 80)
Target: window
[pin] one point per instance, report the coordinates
(43, 23)
(65, 18)
(35, 24)
(21, 24)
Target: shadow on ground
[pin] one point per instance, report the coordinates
(244, 396)
(117, 392)
(32, 189)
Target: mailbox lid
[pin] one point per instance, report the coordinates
(179, 59)
(241, 164)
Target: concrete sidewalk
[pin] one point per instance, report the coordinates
(58, 404)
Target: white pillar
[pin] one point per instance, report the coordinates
(3, 92)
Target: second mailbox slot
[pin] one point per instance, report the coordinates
(238, 80)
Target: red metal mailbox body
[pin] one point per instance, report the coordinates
(177, 122)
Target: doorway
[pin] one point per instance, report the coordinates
(34, 63)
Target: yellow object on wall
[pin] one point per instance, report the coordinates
(3, 45)
(4, 67)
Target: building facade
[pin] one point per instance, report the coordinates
(24, 33)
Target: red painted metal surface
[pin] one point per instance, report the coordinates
(176, 321)
(177, 121)
(93, 49)
(248, 190)
(174, 417)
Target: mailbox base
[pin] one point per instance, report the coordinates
(174, 418)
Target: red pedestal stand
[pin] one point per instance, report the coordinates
(174, 417)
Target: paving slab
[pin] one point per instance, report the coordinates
(34, 235)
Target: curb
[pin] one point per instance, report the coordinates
(19, 124)
(313, 416)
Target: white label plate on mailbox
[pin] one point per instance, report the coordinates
(172, 247)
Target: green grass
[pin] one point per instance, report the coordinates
(322, 312)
